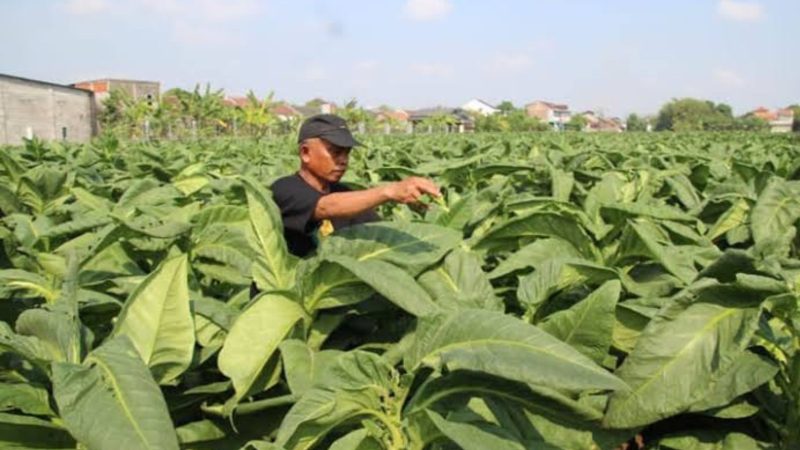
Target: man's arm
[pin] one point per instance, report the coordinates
(349, 204)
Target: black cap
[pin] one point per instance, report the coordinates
(330, 127)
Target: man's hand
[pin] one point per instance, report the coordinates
(411, 189)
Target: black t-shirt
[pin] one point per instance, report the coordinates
(297, 201)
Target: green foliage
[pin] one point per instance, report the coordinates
(514, 120)
(635, 123)
(689, 114)
(569, 291)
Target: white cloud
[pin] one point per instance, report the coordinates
(728, 78)
(427, 9)
(437, 70)
(80, 7)
(742, 11)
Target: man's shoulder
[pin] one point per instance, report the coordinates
(286, 182)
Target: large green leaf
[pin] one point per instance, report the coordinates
(588, 325)
(505, 346)
(461, 385)
(303, 366)
(358, 384)
(157, 319)
(411, 246)
(746, 373)
(113, 399)
(253, 340)
(558, 274)
(542, 224)
(24, 397)
(326, 284)
(712, 440)
(475, 436)
(64, 338)
(774, 214)
(677, 360)
(19, 432)
(390, 281)
(534, 255)
(460, 282)
(274, 267)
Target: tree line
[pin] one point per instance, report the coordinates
(203, 112)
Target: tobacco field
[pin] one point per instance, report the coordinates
(570, 291)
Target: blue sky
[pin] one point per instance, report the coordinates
(617, 56)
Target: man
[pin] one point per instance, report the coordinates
(313, 201)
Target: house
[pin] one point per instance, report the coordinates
(595, 123)
(780, 120)
(479, 106)
(285, 111)
(235, 102)
(33, 108)
(137, 89)
(391, 115)
(451, 120)
(317, 106)
(391, 119)
(555, 114)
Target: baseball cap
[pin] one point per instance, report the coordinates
(330, 127)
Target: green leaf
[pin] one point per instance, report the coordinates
(535, 254)
(356, 440)
(63, 337)
(25, 432)
(558, 274)
(542, 224)
(27, 398)
(588, 325)
(505, 346)
(712, 440)
(475, 436)
(326, 284)
(253, 340)
(274, 267)
(460, 282)
(737, 215)
(112, 398)
(746, 373)
(391, 282)
(678, 359)
(303, 366)
(411, 246)
(774, 214)
(461, 385)
(157, 319)
(359, 384)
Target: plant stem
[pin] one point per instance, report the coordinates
(251, 407)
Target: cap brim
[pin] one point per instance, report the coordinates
(340, 138)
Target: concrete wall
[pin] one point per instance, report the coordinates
(47, 111)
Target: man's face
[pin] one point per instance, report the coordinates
(324, 160)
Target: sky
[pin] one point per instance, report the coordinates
(612, 56)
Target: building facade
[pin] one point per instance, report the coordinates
(136, 89)
(49, 111)
(479, 106)
(557, 115)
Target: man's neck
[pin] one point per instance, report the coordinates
(313, 181)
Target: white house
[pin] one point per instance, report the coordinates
(479, 106)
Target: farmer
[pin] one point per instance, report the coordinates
(312, 201)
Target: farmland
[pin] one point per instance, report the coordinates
(570, 291)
